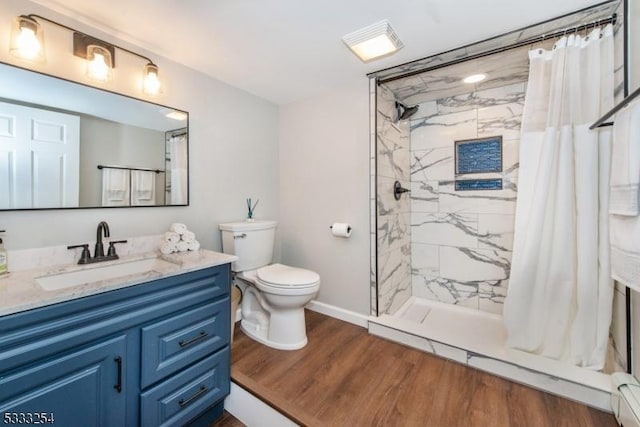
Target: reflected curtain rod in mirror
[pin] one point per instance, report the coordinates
(53, 133)
(130, 169)
(27, 43)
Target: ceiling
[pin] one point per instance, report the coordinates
(501, 69)
(288, 50)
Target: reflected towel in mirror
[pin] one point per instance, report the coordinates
(143, 188)
(115, 187)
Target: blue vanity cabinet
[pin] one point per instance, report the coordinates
(73, 388)
(151, 354)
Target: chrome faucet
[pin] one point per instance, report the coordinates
(103, 227)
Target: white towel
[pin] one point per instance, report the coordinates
(182, 246)
(177, 227)
(171, 237)
(188, 236)
(625, 250)
(625, 162)
(115, 187)
(194, 246)
(624, 224)
(143, 188)
(167, 248)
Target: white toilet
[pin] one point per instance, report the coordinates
(273, 303)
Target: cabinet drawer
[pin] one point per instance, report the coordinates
(173, 343)
(185, 395)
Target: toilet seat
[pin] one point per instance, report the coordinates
(283, 276)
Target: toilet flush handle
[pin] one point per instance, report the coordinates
(240, 236)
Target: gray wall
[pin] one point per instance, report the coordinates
(324, 164)
(133, 147)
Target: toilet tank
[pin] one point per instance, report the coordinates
(251, 242)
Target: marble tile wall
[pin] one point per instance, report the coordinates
(461, 241)
(393, 216)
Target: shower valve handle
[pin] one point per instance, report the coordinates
(398, 189)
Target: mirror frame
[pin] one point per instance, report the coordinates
(25, 69)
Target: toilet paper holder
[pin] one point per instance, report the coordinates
(348, 228)
(341, 229)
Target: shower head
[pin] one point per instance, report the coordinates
(404, 112)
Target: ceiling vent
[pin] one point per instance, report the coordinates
(374, 41)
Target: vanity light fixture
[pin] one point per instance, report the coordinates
(27, 42)
(373, 41)
(474, 78)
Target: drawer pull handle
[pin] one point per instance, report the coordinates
(202, 335)
(197, 394)
(118, 385)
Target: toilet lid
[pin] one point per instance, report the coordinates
(285, 276)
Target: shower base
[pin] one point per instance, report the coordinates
(477, 339)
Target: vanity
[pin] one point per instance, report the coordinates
(146, 348)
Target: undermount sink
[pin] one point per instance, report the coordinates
(97, 273)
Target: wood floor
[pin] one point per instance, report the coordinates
(227, 420)
(347, 377)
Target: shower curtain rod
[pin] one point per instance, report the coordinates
(600, 22)
(602, 121)
(177, 132)
(130, 169)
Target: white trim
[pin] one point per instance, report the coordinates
(339, 313)
(253, 411)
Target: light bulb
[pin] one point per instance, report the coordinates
(98, 63)
(28, 43)
(150, 82)
(98, 69)
(26, 40)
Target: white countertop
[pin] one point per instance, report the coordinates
(19, 290)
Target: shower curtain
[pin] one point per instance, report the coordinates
(178, 169)
(559, 301)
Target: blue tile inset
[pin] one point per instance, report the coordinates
(479, 184)
(479, 155)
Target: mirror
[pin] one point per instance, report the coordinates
(67, 145)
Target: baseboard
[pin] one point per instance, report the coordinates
(252, 411)
(339, 313)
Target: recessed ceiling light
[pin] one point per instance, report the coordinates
(177, 115)
(373, 41)
(474, 78)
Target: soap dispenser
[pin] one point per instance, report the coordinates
(4, 268)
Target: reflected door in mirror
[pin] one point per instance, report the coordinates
(39, 158)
